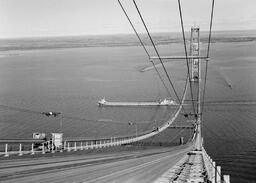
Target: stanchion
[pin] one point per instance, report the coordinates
(43, 150)
(81, 146)
(68, 147)
(20, 150)
(75, 147)
(218, 174)
(91, 145)
(226, 178)
(65, 145)
(52, 148)
(213, 172)
(6, 154)
(32, 149)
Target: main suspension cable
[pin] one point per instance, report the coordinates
(169, 79)
(142, 44)
(186, 54)
(208, 54)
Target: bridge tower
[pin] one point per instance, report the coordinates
(196, 77)
(195, 51)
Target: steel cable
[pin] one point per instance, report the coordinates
(142, 44)
(169, 79)
(207, 60)
(186, 54)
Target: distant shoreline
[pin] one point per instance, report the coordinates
(44, 43)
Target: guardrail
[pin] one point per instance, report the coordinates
(21, 147)
(27, 146)
(213, 171)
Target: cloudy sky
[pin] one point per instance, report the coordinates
(25, 18)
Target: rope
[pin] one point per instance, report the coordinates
(142, 44)
(169, 79)
(185, 47)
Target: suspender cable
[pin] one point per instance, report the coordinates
(142, 44)
(208, 54)
(133, 28)
(186, 54)
(210, 31)
(169, 79)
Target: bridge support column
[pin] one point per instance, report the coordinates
(32, 149)
(20, 150)
(86, 145)
(6, 154)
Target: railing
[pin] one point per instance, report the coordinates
(19, 146)
(213, 171)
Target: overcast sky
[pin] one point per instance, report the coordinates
(25, 18)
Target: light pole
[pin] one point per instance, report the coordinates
(135, 124)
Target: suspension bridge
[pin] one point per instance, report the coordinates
(188, 162)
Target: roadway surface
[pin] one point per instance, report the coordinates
(127, 166)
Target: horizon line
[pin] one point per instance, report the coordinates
(110, 34)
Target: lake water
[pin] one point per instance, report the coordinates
(72, 80)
